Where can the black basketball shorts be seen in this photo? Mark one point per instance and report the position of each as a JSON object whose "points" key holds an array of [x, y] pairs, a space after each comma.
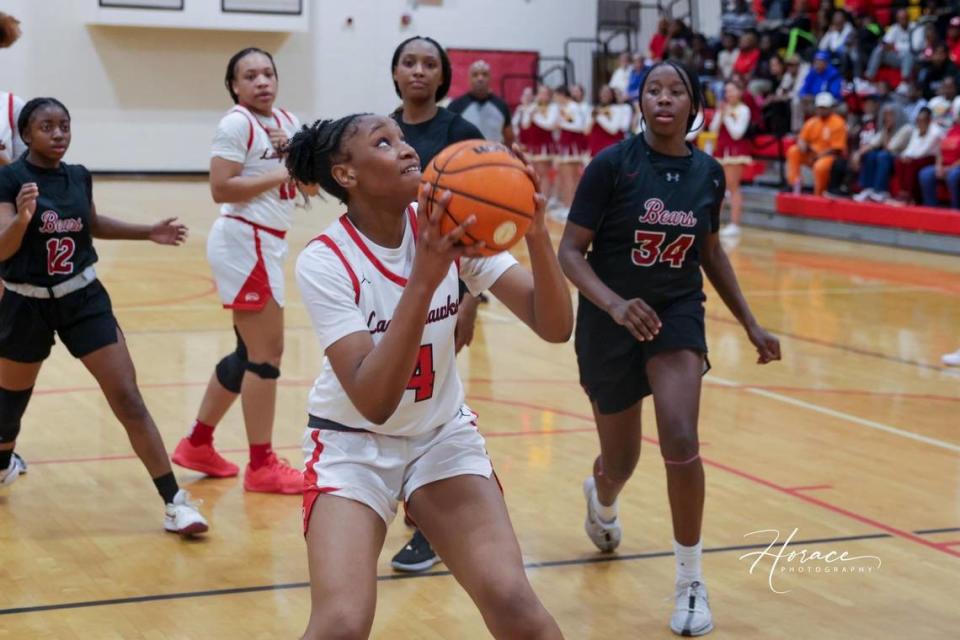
{"points": [[83, 319], [613, 364]]}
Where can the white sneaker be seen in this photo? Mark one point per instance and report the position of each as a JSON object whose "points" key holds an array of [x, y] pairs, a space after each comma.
{"points": [[952, 359], [606, 535], [730, 231], [864, 195], [559, 214], [880, 196], [691, 614], [183, 517], [16, 469]]}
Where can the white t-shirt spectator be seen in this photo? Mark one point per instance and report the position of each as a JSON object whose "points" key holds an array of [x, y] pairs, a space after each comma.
{"points": [[620, 79], [923, 145], [899, 38], [834, 40]]}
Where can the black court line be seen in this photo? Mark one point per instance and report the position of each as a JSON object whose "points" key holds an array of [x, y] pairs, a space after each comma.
{"points": [[435, 574]]}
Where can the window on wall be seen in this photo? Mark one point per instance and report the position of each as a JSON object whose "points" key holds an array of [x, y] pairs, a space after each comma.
{"points": [[169, 5], [280, 7]]}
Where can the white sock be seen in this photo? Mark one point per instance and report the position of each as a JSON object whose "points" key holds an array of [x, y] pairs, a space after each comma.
{"points": [[606, 513], [688, 563]]}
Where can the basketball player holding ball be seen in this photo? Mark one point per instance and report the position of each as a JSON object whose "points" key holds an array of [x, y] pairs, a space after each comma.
{"points": [[381, 288], [246, 249], [422, 75], [643, 224]]}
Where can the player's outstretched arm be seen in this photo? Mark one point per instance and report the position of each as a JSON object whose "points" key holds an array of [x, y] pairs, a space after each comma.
{"points": [[717, 266], [14, 218], [541, 298], [167, 231], [375, 376]]}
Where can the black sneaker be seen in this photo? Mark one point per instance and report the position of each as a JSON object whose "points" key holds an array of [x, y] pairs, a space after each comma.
{"points": [[416, 555]]}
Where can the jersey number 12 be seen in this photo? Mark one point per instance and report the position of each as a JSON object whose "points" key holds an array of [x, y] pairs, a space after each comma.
{"points": [[59, 254]]}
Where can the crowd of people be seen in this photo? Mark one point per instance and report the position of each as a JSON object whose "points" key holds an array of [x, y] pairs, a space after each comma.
{"points": [[871, 108]]}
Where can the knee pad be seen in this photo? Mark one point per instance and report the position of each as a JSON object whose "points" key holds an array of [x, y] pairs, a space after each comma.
{"points": [[263, 370], [230, 372], [13, 404]]}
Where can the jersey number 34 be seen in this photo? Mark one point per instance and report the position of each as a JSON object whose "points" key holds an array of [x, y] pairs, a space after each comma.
{"points": [[648, 249]]}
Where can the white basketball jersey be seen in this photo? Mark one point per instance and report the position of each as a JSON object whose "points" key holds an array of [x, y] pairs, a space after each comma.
{"points": [[11, 146], [242, 137], [349, 284]]}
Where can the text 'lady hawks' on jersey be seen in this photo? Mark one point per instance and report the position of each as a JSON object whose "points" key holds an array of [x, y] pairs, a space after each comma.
{"points": [[444, 311]]}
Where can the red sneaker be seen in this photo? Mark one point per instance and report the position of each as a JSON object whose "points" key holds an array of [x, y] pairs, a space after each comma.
{"points": [[276, 476], [203, 458]]}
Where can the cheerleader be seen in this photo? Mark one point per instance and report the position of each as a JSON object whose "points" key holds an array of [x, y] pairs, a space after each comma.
{"points": [[730, 122], [572, 144], [539, 122], [608, 122]]}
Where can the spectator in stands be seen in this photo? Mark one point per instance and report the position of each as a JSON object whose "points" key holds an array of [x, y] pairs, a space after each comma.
{"points": [[953, 39], [660, 39], [730, 123], [822, 77], [739, 20], [748, 55], [945, 106], [939, 67], [762, 81], [921, 151], [620, 80], [837, 38], [727, 55], [484, 109], [776, 10], [945, 169], [878, 151], [800, 28], [894, 49], [703, 62], [679, 52], [679, 31], [822, 139], [637, 74]]}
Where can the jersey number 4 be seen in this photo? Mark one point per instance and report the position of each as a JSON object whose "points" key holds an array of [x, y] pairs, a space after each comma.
{"points": [[423, 376], [59, 256], [648, 251]]}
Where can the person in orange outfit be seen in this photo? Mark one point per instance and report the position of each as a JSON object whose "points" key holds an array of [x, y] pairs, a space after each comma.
{"points": [[822, 138]]}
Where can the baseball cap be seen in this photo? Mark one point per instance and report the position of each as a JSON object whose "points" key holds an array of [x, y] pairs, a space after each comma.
{"points": [[822, 55], [824, 99]]}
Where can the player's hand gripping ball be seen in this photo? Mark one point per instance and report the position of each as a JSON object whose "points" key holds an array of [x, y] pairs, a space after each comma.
{"points": [[487, 180]]}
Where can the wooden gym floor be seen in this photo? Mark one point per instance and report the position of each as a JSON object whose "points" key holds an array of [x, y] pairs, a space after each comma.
{"points": [[852, 441]]}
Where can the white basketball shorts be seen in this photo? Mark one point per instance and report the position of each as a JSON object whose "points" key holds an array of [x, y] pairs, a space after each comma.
{"points": [[247, 261]]}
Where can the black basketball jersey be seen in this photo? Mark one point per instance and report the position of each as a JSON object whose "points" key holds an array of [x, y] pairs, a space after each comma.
{"points": [[431, 137], [651, 214], [57, 244]]}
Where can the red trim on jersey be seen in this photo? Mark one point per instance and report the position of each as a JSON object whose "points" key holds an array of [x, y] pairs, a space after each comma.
{"points": [[13, 125], [412, 215], [325, 239], [310, 489], [286, 115], [251, 119], [245, 114], [259, 227], [358, 239]]}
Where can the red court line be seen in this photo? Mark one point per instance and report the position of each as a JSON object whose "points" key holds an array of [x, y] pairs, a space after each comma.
{"points": [[906, 535], [812, 487], [211, 288]]}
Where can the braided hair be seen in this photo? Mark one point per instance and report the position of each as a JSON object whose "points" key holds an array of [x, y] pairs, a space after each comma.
{"points": [[311, 153], [446, 69], [26, 114], [693, 90], [232, 68]]}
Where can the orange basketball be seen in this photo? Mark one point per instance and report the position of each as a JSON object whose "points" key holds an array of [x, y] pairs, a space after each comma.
{"points": [[487, 180]]}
